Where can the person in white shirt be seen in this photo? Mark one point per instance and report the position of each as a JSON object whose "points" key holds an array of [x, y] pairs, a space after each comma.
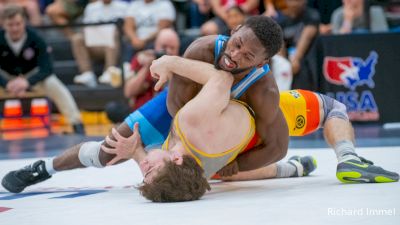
{"points": [[86, 46], [144, 19]]}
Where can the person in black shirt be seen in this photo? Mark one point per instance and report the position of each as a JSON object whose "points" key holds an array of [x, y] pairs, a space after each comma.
{"points": [[25, 64], [300, 26]]}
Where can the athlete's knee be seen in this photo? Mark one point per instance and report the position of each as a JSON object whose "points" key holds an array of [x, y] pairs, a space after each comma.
{"points": [[89, 154], [334, 109]]}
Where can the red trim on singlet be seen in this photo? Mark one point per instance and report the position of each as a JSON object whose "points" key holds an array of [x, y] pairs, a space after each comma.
{"points": [[312, 106], [255, 140]]}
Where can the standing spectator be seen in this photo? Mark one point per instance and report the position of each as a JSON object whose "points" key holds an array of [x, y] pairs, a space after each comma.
{"points": [[139, 88], [99, 11], [25, 64], [300, 26], [144, 19], [63, 12], [351, 17], [217, 25], [30, 6]]}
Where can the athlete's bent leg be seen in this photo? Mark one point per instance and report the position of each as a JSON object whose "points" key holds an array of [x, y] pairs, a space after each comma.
{"points": [[339, 134]]}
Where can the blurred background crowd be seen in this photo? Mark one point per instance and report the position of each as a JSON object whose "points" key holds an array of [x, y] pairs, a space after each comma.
{"points": [[95, 55]]}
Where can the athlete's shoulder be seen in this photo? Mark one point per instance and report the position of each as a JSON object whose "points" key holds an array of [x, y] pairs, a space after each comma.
{"points": [[266, 83], [265, 88], [202, 49]]}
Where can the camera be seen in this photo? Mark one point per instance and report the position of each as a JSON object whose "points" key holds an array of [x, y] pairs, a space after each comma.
{"points": [[158, 54]]}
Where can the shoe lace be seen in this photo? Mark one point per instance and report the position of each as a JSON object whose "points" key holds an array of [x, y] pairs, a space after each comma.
{"points": [[364, 160]]}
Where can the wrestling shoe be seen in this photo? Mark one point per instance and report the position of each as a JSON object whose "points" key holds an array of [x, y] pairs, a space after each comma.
{"points": [[304, 165], [17, 180], [353, 171]]}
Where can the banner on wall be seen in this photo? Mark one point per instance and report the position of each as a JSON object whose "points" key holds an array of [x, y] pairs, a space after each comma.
{"points": [[361, 71], [352, 72]]}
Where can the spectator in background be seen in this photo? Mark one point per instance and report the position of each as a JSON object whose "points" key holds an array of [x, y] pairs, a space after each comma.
{"points": [[139, 88], [235, 16], [25, 64], [63, 12], [199, 12], [273, 6], [31, 8], [325, 9], [300, 26], [351, 17], [99, 11], [144, 19], [218, 24]]}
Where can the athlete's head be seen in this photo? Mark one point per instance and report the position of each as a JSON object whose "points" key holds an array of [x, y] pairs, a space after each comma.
{"points": [[172, 177], [250, 45]]}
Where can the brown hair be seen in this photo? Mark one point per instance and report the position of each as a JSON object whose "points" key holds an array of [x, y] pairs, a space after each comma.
{"points": [[12, 10], [177, 183]]}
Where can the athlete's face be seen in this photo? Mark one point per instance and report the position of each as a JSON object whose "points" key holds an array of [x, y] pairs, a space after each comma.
{"points": [[155, 161], [242, 52]]}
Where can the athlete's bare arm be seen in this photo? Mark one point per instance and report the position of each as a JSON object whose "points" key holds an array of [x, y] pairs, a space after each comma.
{"points": [[181, 90], [263, 98], [214, 96]]}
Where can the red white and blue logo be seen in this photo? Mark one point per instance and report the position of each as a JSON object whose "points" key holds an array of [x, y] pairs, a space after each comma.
{"points": [[350, 71]]}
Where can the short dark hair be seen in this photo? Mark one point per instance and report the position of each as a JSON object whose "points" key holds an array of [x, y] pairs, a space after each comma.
{"points": [[177, 183], [267, 31], [12, 10]]}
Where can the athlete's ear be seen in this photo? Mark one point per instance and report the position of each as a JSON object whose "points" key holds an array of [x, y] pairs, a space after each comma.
{"points": [[176, 158], [265, 61], [236, 29]]}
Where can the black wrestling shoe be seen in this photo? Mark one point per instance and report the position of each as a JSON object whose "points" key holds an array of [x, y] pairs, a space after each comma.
{"points": [[17, 180]]}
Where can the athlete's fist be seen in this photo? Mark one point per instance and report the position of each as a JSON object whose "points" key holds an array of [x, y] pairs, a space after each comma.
{"points": [[159, 69], [229, 170]]}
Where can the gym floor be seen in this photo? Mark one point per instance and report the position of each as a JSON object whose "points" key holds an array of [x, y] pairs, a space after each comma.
{"points": [[108, 196]]}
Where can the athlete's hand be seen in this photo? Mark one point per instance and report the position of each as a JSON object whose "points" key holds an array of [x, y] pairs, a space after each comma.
{"points": [[159, 70], [229, 170], [122, 148]]}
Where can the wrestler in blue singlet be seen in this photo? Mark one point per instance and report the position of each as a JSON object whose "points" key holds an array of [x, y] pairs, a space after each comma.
{"points": [[153, 117]]}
